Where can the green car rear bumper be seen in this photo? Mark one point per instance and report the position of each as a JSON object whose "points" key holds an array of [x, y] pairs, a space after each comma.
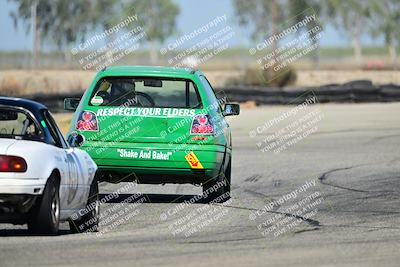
{"points": [[157, 162]]}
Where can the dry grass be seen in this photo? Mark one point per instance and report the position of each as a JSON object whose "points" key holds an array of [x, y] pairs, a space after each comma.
{"points": [[10, 86], [321, 77], [21, 82], [63, 121], [24, 82]]}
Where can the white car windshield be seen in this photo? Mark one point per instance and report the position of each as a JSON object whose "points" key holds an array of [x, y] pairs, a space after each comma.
{"points": [[14, 123]]}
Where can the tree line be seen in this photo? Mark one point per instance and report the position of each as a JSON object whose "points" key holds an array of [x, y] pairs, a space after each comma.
{"points": [[352, 18], [64, 23]]}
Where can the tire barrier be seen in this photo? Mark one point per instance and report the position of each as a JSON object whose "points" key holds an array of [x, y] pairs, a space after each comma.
{"points": [[55, 102], [360, 91]]}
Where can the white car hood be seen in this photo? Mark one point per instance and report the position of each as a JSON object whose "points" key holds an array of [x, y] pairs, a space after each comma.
{"points": [[5, 144]]}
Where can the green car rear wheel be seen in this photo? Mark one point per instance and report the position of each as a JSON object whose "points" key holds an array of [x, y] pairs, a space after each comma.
{"points": [[218, 190]]}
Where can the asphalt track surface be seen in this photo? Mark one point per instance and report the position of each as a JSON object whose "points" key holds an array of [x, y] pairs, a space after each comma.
{"points": [[349, 217]]}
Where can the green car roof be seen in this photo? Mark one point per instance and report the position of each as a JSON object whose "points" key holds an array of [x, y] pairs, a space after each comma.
{"points": [[148, 71]]}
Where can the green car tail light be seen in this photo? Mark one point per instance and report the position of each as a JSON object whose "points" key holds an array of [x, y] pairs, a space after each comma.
{"points": [[87, 121], [202, 125]]}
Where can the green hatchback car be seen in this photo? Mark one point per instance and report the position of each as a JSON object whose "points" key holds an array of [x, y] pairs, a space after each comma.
{"points": [[155, 125]]}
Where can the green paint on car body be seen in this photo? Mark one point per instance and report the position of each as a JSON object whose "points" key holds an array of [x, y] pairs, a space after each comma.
{"points": [[153, 122]]}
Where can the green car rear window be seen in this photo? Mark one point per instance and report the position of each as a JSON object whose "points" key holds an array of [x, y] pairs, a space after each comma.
{"points": [[145, 92]]}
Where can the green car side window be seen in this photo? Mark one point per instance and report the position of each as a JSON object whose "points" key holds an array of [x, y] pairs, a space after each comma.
{"points": [[211, 94]]}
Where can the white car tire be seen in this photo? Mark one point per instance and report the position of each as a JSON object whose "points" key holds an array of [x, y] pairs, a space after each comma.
{"points": [[44, 218]]}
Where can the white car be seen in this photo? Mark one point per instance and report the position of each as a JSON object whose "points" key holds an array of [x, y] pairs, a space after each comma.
{"points": [[43, 180]]}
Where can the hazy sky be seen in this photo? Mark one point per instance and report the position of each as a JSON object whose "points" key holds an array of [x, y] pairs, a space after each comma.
{"points": [[194, 14]]}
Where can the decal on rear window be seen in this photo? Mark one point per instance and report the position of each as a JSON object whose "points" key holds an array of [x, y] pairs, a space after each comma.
{"points": [[149, 112], [97, 101]]}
